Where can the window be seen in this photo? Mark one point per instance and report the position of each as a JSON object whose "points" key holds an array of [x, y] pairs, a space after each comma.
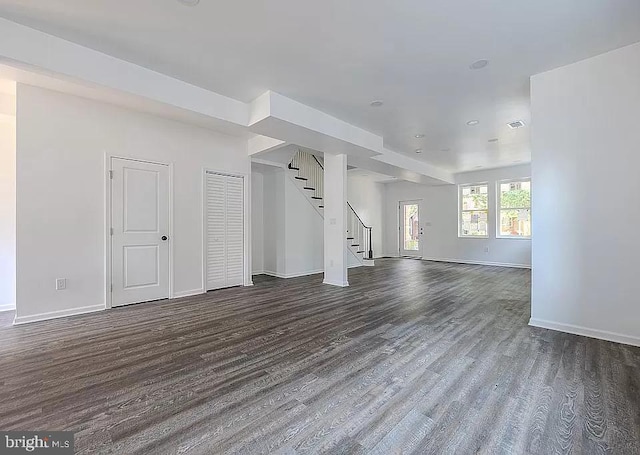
{"points": [[514, 209], [474, 210]]}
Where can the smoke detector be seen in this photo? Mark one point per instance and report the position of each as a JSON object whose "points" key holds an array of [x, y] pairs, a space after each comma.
{"points": [[479, 64], [516, 124]]}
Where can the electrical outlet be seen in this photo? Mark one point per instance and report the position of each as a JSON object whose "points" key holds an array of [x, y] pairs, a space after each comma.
{"points": [[486, 249], [61, 284]]}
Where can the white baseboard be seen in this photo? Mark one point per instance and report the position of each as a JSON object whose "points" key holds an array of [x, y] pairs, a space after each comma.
{"points": [[8, 307], [342, 284], [296, 275], [57, 314], [291, 275], [585, 331], [178, 295], [494, 264]]}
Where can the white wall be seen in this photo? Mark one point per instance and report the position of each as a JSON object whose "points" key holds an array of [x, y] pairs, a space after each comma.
{"points": [[585, 200], [61, 145], [293, 237], [439, 218], [257, 223], [7, 207], [304, 234], [274, 224], [367, 198]]}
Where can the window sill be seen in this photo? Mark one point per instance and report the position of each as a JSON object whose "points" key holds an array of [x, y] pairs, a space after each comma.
{"points": [[473, 236], [512, 237]]}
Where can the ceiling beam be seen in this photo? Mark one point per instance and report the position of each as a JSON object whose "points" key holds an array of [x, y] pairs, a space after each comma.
{"points": [[276, 119]]}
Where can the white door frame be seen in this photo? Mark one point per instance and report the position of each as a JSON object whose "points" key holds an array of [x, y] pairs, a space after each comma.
{"points": [[107, 217], [246, 257], [401, 249]]}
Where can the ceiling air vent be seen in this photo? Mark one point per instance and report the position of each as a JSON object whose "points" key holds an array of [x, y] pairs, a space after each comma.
{"points": [[516, 124]]}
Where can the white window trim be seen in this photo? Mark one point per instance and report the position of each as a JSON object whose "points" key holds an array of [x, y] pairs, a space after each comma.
{"points": [[460, 211], [499, 209]]}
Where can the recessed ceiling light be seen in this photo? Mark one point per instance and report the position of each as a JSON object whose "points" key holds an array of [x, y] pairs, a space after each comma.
{"points": [[419, 136], [418, 150], [495, 139], [516, 124], [479, 64], [376, 103], [473, 122], [189, 2]]}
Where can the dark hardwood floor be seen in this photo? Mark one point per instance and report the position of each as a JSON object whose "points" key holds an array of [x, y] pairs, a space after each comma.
{"points": [[414, 357]]}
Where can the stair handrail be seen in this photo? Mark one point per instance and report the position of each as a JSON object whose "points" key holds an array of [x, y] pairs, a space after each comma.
{"points": [[317, 161], [367, 237], [356, 214], [296, 163]]}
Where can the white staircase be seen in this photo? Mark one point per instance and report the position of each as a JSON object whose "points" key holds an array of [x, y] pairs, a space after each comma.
{"points": [[307, 172]]}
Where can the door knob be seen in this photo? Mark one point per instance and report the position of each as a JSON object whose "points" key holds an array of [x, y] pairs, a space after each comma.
{"points": [[165, 238]]}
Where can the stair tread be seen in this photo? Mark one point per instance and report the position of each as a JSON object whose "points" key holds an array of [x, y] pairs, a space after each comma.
{"points": [[350, 238], [301, 178], [316, 197], [357, 244], [362, 251], [321, 206], [309, 188], [294, 168]]}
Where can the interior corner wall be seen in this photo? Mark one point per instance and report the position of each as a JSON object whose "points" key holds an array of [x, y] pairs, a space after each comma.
{"points": [[304, 233], [439, 218], [7, 213], [257, 223], [62, 144], [367, 199], [293, 230], [585, 197], [274, 223]]}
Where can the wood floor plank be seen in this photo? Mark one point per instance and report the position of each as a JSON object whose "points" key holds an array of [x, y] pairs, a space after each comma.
{"points": [[413, 357]]}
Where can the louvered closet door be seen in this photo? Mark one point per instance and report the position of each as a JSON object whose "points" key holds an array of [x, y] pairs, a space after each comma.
{"points": [[235, 231], [224, 231], [216, 228]]}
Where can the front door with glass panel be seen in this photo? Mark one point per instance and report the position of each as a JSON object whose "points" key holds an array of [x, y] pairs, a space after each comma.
{"points": [[410, 231]]}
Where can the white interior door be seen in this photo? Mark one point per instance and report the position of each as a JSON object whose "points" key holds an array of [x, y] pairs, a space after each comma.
{"points": [[224, 231], [410, 229], [140, 231]]}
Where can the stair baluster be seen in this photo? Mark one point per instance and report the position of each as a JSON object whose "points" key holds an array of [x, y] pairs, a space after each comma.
{"points": [[310, 170]]}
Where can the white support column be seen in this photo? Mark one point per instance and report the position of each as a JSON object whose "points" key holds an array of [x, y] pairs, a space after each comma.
{"points": [[335, 220]]}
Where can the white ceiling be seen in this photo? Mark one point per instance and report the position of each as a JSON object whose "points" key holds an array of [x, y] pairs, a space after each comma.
{"points": [[338, 56]]}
